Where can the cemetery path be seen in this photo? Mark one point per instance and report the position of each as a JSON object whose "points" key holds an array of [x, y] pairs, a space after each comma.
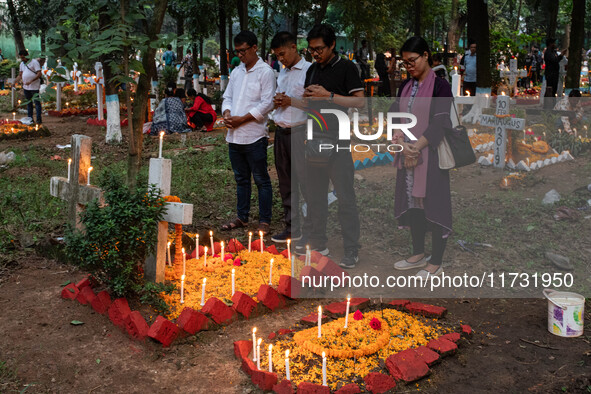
{"points": [[51, 355]]}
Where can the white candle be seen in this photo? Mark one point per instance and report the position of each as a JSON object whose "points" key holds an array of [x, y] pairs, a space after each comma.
{"points": [[203, 292], [182, 289], [270, 356], [205, 256], [160, 148], [184, 262], [259, 353], [223, 251], [254, 341], [505, 182], [249, 240], [319, 321], [324, 369], [289, 249], [233, 278], [69, 164], [211, 241], [197, 246], [271, 272], [308, 255], [88, 176], [14, 115], [347, 312], [292, 267], [261, 238], [168, 250], [287, 364]]}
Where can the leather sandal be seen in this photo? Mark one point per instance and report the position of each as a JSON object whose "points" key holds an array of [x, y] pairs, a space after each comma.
{"points": [[233, 225]]}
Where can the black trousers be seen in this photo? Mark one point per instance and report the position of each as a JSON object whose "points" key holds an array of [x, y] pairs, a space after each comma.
{"points": [[201, 118], [291, 172], [384, 88], [552, 81], [418, 230], [340, 171]]}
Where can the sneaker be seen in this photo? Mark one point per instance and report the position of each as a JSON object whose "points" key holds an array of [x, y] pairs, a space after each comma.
{"points": [[406, 265], [350, 259], [322, 250], [301, 243], [284, 236]]}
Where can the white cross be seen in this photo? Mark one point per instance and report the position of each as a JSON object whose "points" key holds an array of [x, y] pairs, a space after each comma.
{"points": [[99, 82], [178, 213], [75, 74], [75, 190], [512, 74], [501, 125]]}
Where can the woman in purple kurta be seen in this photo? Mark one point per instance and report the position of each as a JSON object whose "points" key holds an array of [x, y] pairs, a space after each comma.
{"points": [[422, 199]]}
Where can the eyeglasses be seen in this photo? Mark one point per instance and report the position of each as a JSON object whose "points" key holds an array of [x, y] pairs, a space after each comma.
{"points": [[410, 62], [242, 52], [318, 50]]}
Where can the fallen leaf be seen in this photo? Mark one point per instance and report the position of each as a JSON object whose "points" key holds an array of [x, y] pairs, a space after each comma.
{"points": [[66, 283], [98, 360], [76, 322]]}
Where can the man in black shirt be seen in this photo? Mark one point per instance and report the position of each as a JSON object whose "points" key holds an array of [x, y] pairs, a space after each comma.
{"points": [[552, 60], [337, 82]]}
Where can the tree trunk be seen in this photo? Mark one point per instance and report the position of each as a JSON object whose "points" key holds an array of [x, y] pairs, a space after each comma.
{"points": [[230, 36], [126, 71], [16, 29], [195, 61], [321, 13], [518, 15], [577, 35], [264, 30], [201, 51], [418, 5], [42, 40], [242, 6], [180, 30], [550, 10], [222, 31], [453, 34], [294, 22], [140, 103]]}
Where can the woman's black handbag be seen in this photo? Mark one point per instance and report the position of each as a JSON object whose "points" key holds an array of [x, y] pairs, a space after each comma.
{"points": [[455, 150]]}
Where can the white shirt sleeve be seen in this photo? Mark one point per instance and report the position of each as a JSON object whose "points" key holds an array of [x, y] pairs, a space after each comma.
{"points": [[267, 94], [228, 96]]}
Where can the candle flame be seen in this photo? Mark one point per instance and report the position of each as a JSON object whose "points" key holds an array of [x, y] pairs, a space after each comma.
{"points": [[90, 169], [161, 134], [307, 247], [183, 249], [204, 280], [348, 297], [182, 277], [69, 161], [233, 271], [205, 248], [259, 341], [502, 93], [319, 309], [254, 330], [169, 244], [261, 234], [270, 348], [250, 233], [323, 355], [467, 92], [210, 233]]}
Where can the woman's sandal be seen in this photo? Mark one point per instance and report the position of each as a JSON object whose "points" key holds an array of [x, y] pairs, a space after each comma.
{"points": [[264, 227], [234, 224]]}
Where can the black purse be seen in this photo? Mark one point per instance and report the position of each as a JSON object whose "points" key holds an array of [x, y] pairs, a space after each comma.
{"points": [[459, 143]]}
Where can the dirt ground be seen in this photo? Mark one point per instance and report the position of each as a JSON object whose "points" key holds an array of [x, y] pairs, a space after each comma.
{"points": [[51, 355]]}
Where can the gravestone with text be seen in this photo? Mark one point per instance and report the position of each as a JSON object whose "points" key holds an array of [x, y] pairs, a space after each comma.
{"points": [[501, 121]]}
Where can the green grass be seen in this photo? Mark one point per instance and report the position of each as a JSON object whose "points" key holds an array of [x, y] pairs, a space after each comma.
{"points": [[9, 382]]}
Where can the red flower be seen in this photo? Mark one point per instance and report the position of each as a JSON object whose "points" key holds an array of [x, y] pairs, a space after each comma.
{"points": [[529, 132], [358, 315], [237, 262], [375, 323]]}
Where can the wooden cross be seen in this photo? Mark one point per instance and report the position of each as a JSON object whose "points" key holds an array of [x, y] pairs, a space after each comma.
{"points": [[76, 190], [512, 74], [178, 213], [501, 124]]}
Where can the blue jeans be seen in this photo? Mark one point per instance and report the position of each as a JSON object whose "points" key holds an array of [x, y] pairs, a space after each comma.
{"points": [[28, 96], [246, 160]]}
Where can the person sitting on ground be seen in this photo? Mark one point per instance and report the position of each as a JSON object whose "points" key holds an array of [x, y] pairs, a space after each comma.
{"points": [[201, 115], [170, 116]]}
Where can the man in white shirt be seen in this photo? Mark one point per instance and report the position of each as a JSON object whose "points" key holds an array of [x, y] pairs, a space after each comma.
{"points": [[247, 101], [30, 75], [290, 133]]}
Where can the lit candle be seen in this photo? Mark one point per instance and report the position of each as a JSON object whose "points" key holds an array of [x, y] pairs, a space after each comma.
{"points": [[160, 148], [505, 182], [292, 266], [36, 127], [259, 352], [19, 103], [347, 311], [196, 246], [270, 357], [502, 93], [254, 341], [168, 250], [467, 92], [271, 272], [289, 249], [319, 321], [211, 241], [184, 262], [205, 256], [249, 240], [287, 364], [233, 279], [88, 176], [14, 116], [183, 289], [261, 238], [203, 292], [223, 251], [69, 164], [324, 369]]}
